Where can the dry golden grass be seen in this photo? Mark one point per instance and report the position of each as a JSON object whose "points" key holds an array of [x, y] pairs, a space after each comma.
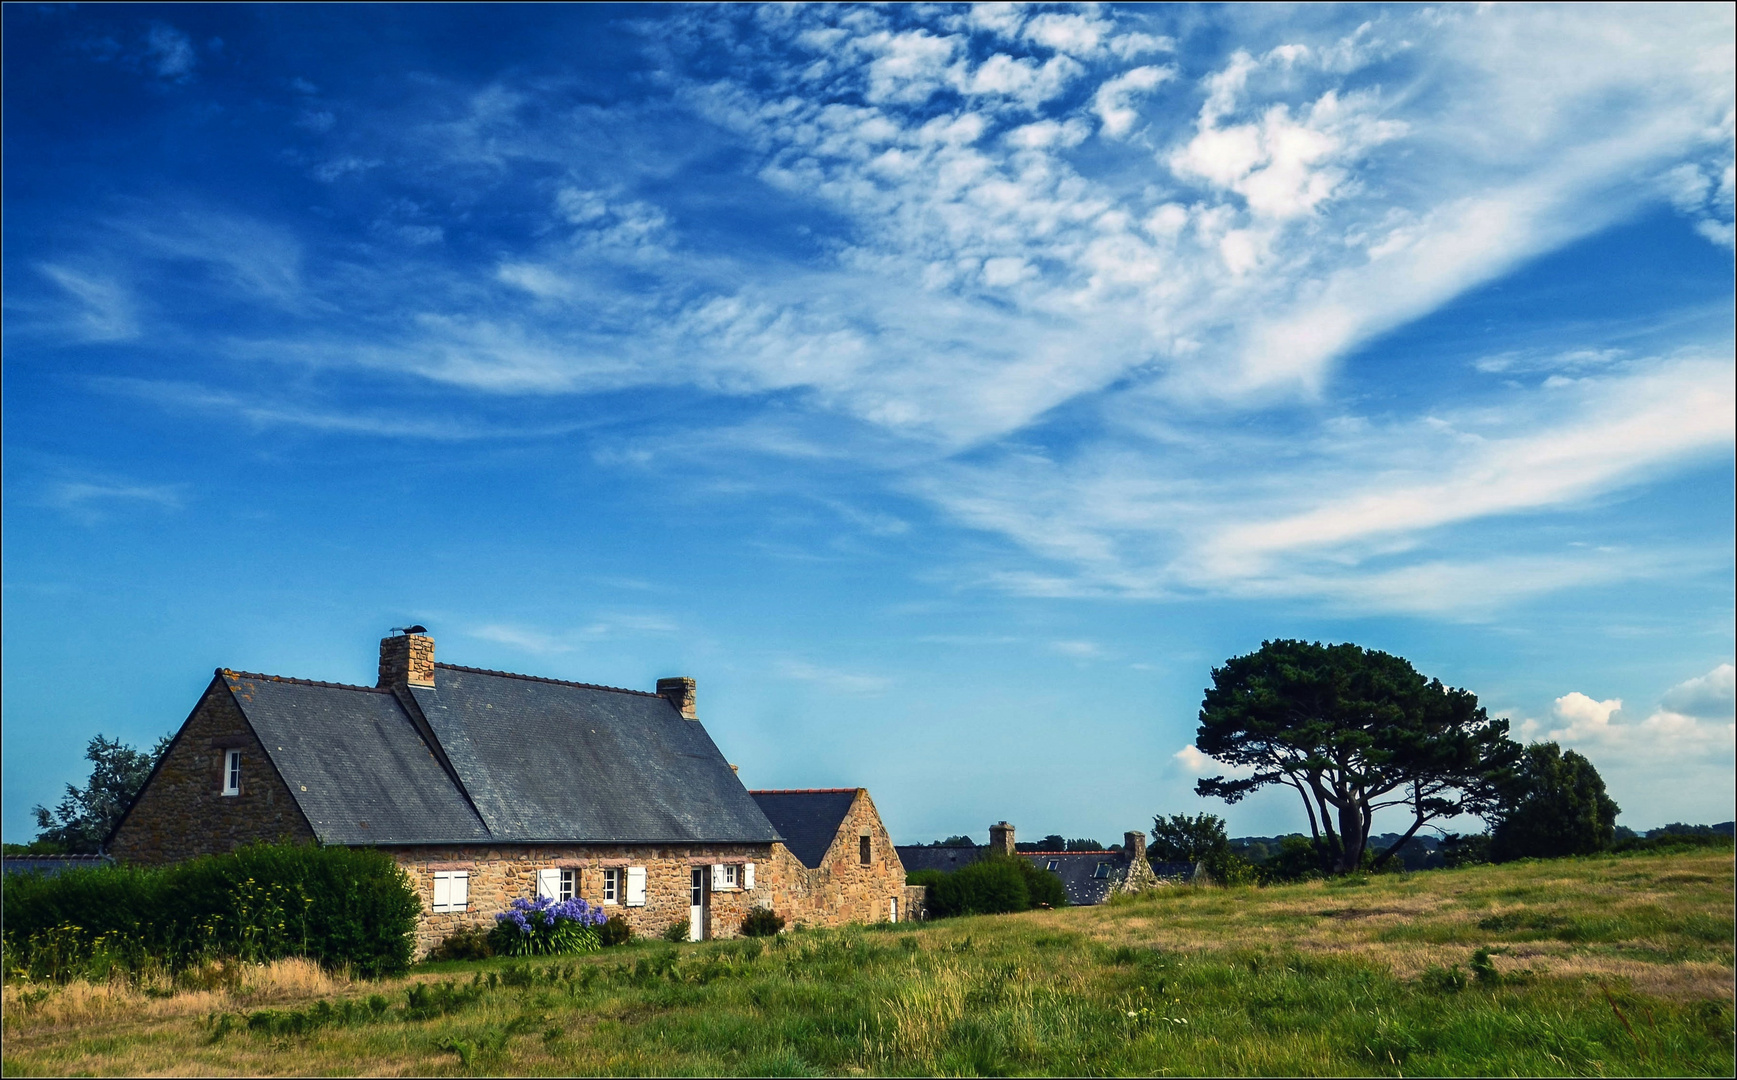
{"points": [[1318, 978]]}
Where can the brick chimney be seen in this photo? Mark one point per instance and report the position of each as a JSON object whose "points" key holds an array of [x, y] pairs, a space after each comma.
{"points": [[1134, 845], [680, 693], [1001, 839], [407, 658]]}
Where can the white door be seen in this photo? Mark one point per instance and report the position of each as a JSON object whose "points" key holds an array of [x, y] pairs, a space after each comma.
{"points": [[697, 905]]}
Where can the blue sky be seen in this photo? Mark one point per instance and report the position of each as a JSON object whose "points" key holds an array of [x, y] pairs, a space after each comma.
{"points": [[946, 389]]}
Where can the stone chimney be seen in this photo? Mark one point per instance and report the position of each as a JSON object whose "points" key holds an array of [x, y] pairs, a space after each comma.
{"points": [[407, 658], [680, 693], [1001, 839], [1134, 846]]}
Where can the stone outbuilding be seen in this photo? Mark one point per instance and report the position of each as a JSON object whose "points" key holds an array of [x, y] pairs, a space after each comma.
{"points": [[836, 859], [487, 786]]}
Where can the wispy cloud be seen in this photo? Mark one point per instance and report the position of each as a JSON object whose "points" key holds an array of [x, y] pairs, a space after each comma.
{"points": [[843, 681]]}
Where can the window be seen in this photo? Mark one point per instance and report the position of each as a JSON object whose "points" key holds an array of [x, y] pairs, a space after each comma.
{"points": [[1053, 864], [569, 884], [636, 886], [451, 890], [865, 851], [726, 876], [612, 885], [1103, 870], [232, 772]]}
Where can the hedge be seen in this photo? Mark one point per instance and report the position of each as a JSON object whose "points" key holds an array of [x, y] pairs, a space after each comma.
{"points": [[990, 886], [343, 907]]}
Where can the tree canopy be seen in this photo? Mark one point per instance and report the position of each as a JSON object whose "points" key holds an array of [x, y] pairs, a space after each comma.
{"points": [[1352, 731], [84, 819], [1555, 805]]}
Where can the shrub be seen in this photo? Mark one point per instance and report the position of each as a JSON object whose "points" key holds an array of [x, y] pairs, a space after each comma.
{"points": [[545, 927], [614, 932], [762, 922], [342, 907], [988, 887], [465, 943], [677, 931]]}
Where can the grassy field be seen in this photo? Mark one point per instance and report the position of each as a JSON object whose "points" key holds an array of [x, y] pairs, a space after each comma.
{"points": [[1613, 965]]}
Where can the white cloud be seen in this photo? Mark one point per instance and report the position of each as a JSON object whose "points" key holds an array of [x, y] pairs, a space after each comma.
{"points": [[170, 52], [1114, 100], [106, 309], [1694, 722], [832, 678], [1712, 696], [1195, 762]]}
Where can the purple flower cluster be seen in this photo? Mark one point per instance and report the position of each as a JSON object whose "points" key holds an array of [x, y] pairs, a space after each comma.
{"points": [[529, 915]]}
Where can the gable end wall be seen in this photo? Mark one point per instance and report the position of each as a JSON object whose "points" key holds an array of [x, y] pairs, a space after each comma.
{"points": [[842, 890], [183, 813]]}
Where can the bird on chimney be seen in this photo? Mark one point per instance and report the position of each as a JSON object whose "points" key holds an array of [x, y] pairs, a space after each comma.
{"points": [[417, 629]]}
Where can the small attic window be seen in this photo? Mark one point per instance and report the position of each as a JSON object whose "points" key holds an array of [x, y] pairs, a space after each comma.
{"points": [[865, 851], [1103, 870], [1053, 864], [232, 772]]}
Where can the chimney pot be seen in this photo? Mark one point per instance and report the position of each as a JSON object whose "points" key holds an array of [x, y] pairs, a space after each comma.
{"points": [[1001, 838], [406, 659], [680, 693]]}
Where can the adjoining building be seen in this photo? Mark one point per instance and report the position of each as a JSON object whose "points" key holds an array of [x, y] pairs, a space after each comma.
{"points": [[487, 786], [1090, 877]]}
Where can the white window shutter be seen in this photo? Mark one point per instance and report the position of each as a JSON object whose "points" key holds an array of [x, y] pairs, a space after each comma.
{"points": [[748, 875], [549, 884], [442, 892], [461, 890], [717, 876], [636, 886]]}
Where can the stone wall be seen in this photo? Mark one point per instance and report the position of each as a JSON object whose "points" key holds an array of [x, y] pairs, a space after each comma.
{"points": [[183, 813], [842, 889], [500, 874]]}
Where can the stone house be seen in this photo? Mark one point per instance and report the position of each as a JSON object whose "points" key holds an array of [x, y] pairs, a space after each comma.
{"points": [[1090, 877], [486, 786], [836, 856]]}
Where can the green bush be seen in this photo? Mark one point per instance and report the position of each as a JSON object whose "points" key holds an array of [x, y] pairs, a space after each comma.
{"points": [[677, 931], [614, 932], [989, 887], [762, 922], [465, 943], [342, 907]]}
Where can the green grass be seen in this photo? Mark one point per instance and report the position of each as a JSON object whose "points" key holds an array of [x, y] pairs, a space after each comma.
{"points": [[1592, 966]]}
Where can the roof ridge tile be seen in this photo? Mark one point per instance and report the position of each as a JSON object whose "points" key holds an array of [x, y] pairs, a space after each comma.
{"points": [[546, 679], [805, 791], [232, 673]]}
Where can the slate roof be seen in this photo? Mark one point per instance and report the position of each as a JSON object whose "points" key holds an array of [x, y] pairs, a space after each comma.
{"points": [[354, 762], [487, 756], [807, 819], [1077, 869], [920, 857], [1079, 872]]}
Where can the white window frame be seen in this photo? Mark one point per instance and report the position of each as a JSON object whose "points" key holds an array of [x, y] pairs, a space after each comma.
{"points": [[612, 876], [892, 909], [636, 886], [232, 772], [455, 884], [569, 886], [726, 876]]}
